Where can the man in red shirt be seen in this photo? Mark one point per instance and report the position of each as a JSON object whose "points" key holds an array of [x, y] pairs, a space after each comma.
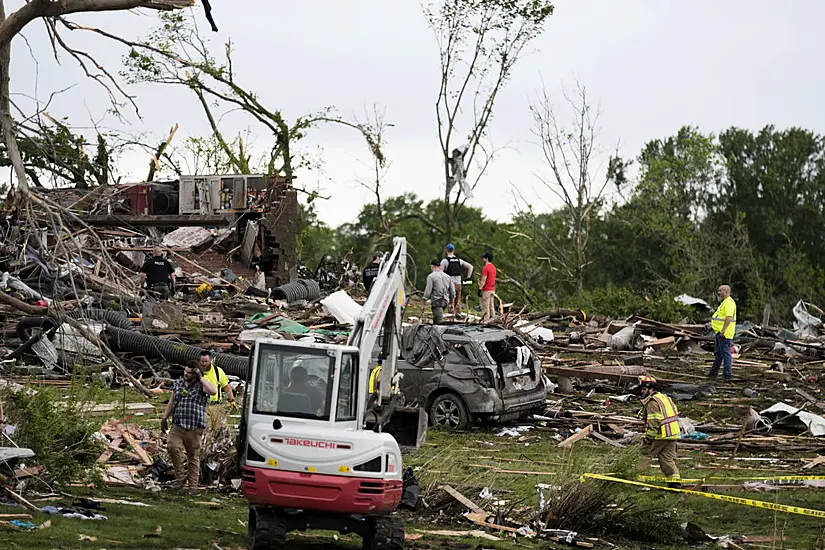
{"points": [[487, 288]]}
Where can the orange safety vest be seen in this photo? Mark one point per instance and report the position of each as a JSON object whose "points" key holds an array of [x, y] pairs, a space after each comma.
{"points": [[661, 408]]}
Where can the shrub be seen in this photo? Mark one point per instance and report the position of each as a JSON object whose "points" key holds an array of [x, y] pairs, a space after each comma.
{"points": [[56, 430]]}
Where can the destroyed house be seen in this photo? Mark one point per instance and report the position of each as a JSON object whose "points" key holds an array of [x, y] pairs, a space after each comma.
{"points": [[217, 221]]}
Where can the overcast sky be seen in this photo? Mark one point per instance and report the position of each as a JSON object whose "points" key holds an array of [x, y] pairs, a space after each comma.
{"points": [[650, 66]]}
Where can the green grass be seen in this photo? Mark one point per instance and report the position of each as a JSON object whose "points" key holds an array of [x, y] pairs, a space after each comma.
{"points": [[461, 460]]}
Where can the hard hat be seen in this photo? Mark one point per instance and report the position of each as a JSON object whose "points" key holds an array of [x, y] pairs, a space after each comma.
{"points": [[648, 381]]}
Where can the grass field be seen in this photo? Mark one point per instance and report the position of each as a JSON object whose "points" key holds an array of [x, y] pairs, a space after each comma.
{"points": [[469, 462]]}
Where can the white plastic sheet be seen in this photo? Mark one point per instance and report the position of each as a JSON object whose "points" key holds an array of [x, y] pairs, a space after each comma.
{"points": [[691, 301], [814, 422], [803, 318], [341, 306], [539, 334]]}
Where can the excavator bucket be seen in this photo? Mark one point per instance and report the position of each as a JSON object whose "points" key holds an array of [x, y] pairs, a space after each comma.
{"points": [[408, 425]]}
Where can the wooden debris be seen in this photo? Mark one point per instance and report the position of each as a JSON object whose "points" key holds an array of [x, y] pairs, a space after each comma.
{"points": [[480, 518], [22, 501], [462, 499], [145, 459], [583, 433], [606, 439]]}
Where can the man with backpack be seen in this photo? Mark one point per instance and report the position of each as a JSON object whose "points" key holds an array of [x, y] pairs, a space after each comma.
{"points": [[452, 265]]}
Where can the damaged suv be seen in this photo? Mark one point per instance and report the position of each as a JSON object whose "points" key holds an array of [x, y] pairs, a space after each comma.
{"points": [[460, 373]]}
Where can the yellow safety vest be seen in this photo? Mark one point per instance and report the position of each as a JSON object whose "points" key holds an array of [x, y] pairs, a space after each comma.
{"points": [[375, 379], [661, 408], [726, 309]]}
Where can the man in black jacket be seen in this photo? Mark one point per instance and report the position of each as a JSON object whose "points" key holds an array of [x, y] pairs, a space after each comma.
{"points": [[158, 274], [371, 271]]}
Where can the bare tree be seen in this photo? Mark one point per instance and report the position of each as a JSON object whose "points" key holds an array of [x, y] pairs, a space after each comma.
{"points": [[48, 214], [576, 179], [176, 54], [479, 43], [49, 11]]}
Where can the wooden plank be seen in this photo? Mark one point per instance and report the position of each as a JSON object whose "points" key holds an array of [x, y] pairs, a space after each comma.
{"points": [[130, 408], [145, 459], [480, 518], [570, 441], [810, 398], [22, 501], [607, 440], [23, 473], [463, 500], [661, 343], [616, 428], [814, 463], [107, 454], [16, 516]]}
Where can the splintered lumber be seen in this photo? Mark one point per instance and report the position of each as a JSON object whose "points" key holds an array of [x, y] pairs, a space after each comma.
{"points": [[814, 463], [480, 518], [15, 516], [661, 343], [22, 501], [616, 428], [811, 399], [463, 500], [607, 440], [111, 448], [570, 441], [145, 459], [23, 473], [603, 373]]}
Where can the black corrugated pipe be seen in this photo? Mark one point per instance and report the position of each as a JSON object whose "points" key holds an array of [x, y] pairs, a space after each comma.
{"points": [[108, 316], [304, 289], [112, 317], [134, 342], [313, 289]]}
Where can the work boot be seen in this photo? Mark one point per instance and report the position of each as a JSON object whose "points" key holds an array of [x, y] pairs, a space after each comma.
{"points": [[674, 485]]}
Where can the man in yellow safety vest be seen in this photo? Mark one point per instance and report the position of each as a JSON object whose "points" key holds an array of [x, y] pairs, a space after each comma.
{"points": [[661, 428], [723, 324]]}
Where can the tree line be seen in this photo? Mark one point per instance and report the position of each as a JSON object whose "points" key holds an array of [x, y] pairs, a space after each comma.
{"points": [[742, 207]]}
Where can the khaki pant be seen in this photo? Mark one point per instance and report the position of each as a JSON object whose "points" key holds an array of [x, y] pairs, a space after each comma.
{"points": [[185, 444], [488, 308], [665, 451], [455, 305]]}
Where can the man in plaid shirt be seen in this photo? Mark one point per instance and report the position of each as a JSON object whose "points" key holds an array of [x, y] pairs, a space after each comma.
{"points": [[187, 407]]}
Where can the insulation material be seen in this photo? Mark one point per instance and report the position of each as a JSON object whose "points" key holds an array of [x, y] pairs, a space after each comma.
{"points": [[341, 306], [187, 237]]}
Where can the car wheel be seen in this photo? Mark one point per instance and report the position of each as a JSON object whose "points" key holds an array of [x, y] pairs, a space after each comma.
{"points": [[448, 411]]}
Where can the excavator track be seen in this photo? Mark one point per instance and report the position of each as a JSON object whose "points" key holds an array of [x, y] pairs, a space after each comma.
{"points": [[386, 533], [267, 529]]}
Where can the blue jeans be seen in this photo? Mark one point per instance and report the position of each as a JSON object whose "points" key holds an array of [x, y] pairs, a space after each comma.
{"points": [[721, 355]]}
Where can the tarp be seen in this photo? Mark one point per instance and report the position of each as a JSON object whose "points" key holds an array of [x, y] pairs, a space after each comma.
{"points": [[814, 422]]}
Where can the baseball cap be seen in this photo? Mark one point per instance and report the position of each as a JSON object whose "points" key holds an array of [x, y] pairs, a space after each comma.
{"points": [[450, 247], [435, 263]]}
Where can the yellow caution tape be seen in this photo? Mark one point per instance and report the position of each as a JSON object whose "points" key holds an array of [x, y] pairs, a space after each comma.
{"points": [[754, 478], [726, 498]]}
